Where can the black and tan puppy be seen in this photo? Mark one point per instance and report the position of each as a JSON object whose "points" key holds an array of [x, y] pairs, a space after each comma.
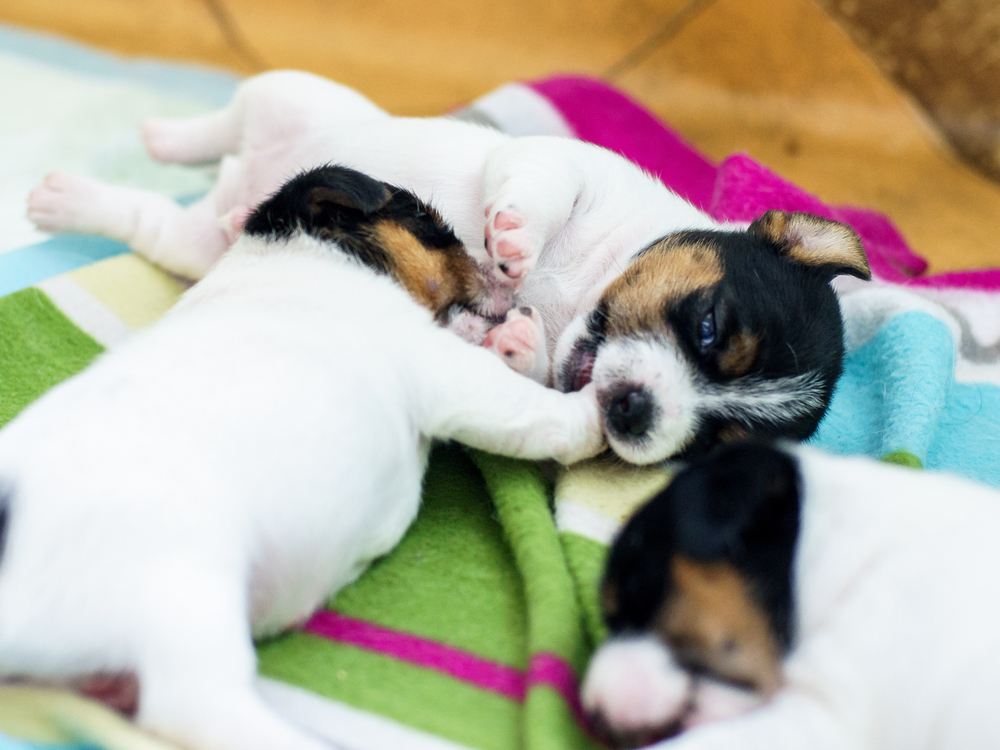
{"points": [[784, 598]]}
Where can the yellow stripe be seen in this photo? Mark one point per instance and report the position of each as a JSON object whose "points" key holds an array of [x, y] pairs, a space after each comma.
{"points": [[58, 717], [130, 287]]}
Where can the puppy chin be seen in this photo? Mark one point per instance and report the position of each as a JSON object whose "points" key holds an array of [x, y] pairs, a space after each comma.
{"points": [[658, 369], [633, 688]]}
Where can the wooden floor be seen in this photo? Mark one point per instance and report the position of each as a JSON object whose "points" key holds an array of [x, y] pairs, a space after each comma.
{"points": [[775, 78]]}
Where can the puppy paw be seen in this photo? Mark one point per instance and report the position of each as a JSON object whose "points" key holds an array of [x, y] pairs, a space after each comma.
{"points": [[520, 342], [159, 134], [512, 244], [468, 326], [232, 223], [65, 203], [587, 439]]}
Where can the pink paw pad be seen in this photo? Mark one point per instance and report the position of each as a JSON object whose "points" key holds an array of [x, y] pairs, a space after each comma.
{"points": [[511, 245], [519, 341]]}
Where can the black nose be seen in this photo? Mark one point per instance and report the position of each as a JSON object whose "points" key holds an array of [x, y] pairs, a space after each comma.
{"points": [[630, 412]]}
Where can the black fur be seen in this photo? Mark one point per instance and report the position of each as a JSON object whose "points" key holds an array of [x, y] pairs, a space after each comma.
{"points": [[792, 309], [740, 505], [343, 205], [787, 306]]}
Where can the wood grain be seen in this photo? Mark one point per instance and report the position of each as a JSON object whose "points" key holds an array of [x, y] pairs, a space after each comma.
{"points": [[776, 78]]}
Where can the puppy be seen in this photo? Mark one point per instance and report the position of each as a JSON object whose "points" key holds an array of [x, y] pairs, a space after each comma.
{"points": [[858, 597], [693, 332], [221, 475]]}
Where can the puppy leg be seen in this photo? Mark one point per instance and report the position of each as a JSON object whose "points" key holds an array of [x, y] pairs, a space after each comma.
{"points": [[529, 192], [520, 342], [576, 201], [471, 396], [183, 240], [197, 666], [196, 140], [789, 722]]}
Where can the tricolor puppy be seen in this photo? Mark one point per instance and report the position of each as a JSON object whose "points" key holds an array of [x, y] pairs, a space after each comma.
{"points": [[222, 474], [792, 599], [693, 332]]}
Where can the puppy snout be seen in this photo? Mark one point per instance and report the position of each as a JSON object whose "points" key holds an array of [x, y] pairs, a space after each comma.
{"points": [[629, 411], [633, 692]]}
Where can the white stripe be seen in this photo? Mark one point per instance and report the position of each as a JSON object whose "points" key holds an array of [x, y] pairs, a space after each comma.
{"points": [[768, 400], [519, 110], [82, 308], [579, 519], [347, 727]]}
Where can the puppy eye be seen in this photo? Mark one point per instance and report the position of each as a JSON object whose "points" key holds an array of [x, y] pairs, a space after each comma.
{"points": [[706, 330]]}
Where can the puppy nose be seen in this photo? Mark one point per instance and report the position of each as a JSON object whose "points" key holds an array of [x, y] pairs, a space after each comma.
{"points": [[630, 412]]}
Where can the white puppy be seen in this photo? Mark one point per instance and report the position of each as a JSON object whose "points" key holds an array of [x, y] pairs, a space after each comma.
{"points": [[221, 475], [691, 330], [856, 600]]}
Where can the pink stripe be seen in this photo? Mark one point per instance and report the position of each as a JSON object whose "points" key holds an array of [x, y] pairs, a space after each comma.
{"points": [[601, 114], [549, 669], [545, 668], [980, 279], [462, 665]]}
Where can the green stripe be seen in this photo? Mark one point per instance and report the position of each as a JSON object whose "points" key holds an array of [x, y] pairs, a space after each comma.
{"points": [[555, 619], [452, 579], [39, 348], [585, 559], [550, 725], [522, 500], [903, 457], [409, 694]]}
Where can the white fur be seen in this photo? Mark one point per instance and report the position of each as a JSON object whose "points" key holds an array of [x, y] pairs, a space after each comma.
{"points": [[589, 209], [635, 684], [898, 616], [659, 368], [227, 471], [634, 680]]}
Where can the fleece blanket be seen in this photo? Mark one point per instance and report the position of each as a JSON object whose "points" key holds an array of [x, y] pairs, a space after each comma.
{"points": [[475, 630]]}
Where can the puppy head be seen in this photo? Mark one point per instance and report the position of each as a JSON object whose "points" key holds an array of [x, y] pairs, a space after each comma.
{"points": [[710, 336], [383, 227], [704, 573]]}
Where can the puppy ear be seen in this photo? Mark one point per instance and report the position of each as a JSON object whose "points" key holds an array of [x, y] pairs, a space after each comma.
{"points": [[815, 241], [341, 189]]}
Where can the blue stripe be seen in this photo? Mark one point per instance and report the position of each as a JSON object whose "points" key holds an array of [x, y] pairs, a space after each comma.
{"points": [[29, 265], [64, 252], [9, 743], [211, 86]]}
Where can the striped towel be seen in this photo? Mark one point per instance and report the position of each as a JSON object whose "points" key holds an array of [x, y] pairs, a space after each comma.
{"points": [[474, 631]]}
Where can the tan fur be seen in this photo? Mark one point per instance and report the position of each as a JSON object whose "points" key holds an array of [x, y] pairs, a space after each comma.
{"points": [[814, 241], [712, 620], [739, 354], [609, 599], [436, 279], [732, 433], [665, 273]]}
